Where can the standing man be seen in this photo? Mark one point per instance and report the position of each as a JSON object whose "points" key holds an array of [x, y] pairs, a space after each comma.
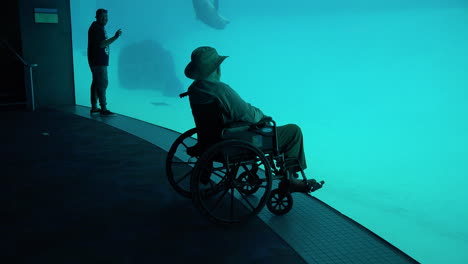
{"points": [[98, 59]]}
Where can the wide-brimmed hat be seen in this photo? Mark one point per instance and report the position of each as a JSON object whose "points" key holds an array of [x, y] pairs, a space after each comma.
{"points": [[204, 61]]}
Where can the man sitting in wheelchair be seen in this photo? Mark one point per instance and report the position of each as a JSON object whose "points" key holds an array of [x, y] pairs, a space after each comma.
{"points": [[204, 68]]}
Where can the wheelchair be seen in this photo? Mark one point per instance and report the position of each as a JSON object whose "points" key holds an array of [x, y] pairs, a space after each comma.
{"points": [[229, 170]]}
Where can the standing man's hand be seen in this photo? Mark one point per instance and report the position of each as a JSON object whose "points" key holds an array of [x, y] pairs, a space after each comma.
{"points": [[107, 42], [118, 33]]}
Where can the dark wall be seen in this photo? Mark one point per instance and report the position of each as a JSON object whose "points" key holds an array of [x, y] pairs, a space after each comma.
{"points": [[49, 46], [12, 81]]}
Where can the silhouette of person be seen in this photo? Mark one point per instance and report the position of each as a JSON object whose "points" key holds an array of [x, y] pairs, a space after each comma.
{"points": [[98, 60], [205, 69]]}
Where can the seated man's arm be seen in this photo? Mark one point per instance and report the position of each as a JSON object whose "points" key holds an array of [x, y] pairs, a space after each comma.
{"points": [[239, 109]]}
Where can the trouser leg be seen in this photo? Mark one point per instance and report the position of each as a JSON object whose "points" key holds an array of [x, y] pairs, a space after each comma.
{"points": [[291, 143], [100, 83], [93, 92]]}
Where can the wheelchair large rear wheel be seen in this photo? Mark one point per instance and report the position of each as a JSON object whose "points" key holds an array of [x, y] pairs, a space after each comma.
{"points": [[223, 167], [179, 163]]}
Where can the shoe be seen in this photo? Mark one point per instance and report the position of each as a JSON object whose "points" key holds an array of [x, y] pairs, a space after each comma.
{"points": [[304, 187], [106, 113], [94, 111], [316, 186]]}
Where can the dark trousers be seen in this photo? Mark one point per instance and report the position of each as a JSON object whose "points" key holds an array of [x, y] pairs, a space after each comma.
{"points": [[99, 86], [291, 144]]}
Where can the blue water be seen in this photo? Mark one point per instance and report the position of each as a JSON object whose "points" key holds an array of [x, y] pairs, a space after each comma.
{"points": [[379, 90]]}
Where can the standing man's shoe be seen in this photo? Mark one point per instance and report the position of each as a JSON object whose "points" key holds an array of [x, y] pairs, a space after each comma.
{"points": [[106, 113], [95, 111]]}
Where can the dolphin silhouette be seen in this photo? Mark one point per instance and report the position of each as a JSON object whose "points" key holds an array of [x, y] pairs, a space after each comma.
{"points": [[207, 12]]}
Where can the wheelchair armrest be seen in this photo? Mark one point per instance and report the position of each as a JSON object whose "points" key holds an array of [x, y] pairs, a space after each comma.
{"points": [[235, 129], [263, 127], [238, 124]]}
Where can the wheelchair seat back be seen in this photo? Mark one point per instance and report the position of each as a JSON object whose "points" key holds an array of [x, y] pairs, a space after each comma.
{"points": [[209, 122]]}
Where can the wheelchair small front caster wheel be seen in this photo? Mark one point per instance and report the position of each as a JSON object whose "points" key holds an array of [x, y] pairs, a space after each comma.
{"points": [[280, 203]]}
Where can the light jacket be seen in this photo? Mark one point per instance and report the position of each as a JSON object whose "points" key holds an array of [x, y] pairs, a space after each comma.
{"points": [[233, 106]]}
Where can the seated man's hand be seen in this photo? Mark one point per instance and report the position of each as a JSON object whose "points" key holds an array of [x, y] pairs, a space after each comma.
{"points": [[264, 121], [266, 118]]}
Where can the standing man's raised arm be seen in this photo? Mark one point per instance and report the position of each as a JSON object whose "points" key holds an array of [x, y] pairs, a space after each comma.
{"points": [[109, 41]]}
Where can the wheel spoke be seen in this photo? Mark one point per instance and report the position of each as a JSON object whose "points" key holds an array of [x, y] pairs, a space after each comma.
{"points": [[234, 167], [220, 176], [243, 196], [184, 145], [232, 202], [245, 168], [185, 176], [219, 200], [226, 158]]}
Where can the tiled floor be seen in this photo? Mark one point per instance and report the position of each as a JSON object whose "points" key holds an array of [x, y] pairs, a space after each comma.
{"points": [[316, 231], [79, 191]]}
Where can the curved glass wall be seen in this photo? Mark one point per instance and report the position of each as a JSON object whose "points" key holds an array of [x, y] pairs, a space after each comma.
{"points": [[379, 90]]}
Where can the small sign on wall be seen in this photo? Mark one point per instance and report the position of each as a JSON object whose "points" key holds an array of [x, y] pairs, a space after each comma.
{"points": [[45, 15]]}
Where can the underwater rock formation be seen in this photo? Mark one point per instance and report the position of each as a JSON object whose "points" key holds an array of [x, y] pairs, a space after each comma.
{"points": [[147, 65]]}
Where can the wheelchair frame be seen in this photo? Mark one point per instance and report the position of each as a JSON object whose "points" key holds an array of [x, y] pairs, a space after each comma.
{"points": [[251, 185]]}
